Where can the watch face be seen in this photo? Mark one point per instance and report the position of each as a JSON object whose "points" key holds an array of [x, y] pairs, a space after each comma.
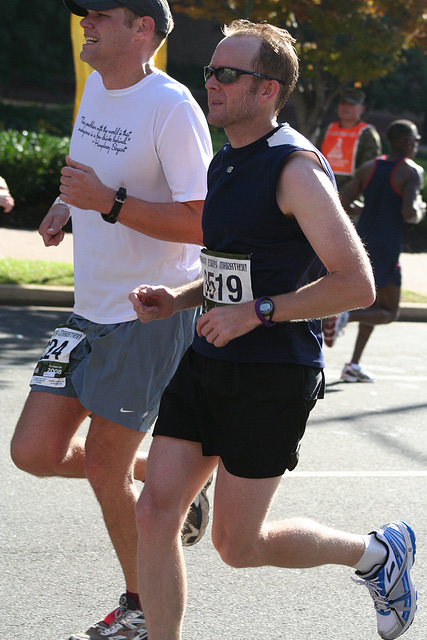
{"points": [[266, 307], [121, 195]]}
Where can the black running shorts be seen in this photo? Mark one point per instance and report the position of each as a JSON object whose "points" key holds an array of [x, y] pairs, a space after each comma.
{"points": [[251, 415]]}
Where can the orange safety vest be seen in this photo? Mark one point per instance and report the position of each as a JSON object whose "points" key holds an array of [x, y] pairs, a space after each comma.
{"points": [[340, 147]]}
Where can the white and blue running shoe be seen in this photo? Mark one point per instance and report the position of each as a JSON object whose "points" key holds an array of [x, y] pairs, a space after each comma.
{"points": [[390, 585]]}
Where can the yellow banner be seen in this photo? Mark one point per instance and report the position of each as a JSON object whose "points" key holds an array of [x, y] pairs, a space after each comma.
{"points": [[82, 69]]}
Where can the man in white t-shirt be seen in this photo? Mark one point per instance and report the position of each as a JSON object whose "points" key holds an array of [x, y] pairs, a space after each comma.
{"points": [[134, 184]]}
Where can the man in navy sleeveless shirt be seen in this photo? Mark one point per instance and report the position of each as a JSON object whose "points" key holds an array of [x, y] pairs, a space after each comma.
{"points": [[391, 187], [280, 253]]}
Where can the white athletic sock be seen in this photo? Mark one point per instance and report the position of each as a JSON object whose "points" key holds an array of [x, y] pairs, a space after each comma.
{"points": [[375, 554]]}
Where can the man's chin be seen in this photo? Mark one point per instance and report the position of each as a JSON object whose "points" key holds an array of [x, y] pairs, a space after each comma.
{"points": [[215, 119], [85, 54]]}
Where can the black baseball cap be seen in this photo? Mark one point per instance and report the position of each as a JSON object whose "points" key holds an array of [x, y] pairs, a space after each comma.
{"points": [[352, 95], [157, 9]]}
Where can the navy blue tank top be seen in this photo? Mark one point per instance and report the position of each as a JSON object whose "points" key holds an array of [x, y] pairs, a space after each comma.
{"points": [[241, 216], [381, 223]]}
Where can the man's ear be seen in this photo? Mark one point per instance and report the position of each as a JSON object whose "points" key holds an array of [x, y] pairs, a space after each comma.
{"points": [[269, 91], [144, 26]]}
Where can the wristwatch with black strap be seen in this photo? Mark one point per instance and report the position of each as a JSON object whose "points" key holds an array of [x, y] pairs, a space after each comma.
{"points": [[264, 309], [120, 198]]}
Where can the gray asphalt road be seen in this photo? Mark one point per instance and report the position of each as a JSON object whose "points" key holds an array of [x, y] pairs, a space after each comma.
{"points": [[363, 463]]}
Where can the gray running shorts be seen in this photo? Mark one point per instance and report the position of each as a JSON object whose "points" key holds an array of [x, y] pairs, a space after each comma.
{"points": [[119, 371]]}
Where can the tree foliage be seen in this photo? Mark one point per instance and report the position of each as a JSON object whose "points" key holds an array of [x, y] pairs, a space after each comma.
{"points": [[405, 87], [339, 43]]}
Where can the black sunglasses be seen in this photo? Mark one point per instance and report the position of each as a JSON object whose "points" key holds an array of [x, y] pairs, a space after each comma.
{"points": [[227, 75]]}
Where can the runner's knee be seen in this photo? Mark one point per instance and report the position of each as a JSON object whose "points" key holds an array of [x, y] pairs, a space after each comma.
{"points": [[232, 549], [34, 460], [234, 554], [157, 517], [388, 315], [394, 315]]}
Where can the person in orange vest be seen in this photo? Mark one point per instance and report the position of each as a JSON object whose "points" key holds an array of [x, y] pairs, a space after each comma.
{"points": [[349, 142]]}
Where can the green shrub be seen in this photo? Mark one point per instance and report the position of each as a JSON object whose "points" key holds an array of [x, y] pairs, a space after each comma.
{"points": [[31, 165]]}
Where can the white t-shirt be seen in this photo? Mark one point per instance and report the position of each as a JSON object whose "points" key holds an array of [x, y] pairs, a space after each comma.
{"points": [[151, 138]]}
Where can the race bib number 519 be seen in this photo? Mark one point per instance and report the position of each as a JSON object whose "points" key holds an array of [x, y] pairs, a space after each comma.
{"points": [[226, 278]]}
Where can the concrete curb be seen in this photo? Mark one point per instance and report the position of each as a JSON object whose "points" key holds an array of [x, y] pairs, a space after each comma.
{"points": [[32, 295], [40, 296]]}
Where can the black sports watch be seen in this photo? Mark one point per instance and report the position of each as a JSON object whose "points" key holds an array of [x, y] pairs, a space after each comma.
{"points": [[264, 309], [120, 198]]}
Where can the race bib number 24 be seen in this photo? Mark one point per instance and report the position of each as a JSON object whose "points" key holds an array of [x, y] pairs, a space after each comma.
{"points": [[53, 365]]}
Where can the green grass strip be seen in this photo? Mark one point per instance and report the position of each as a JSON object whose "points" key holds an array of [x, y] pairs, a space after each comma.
{"points": [[38, 272]]}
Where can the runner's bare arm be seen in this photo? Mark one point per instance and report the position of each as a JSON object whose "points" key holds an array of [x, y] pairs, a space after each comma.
{"points": [[306, 193], [158, 302], [413, 207], [171, 221]]}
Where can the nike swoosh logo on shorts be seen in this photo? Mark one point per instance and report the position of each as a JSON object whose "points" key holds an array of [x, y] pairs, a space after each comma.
{"points": [[126, 411]]}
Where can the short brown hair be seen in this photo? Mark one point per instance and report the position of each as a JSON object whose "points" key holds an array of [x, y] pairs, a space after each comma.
{"points": [[159, 36], [277, 57]]}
